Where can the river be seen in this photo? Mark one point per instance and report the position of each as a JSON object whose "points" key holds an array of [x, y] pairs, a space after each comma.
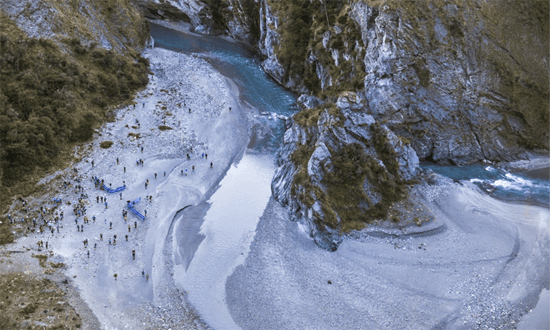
{"points": [[214, 242], [216, 237]]}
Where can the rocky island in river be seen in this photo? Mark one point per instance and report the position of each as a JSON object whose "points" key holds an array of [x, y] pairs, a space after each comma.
{"points": [[274, 164]]}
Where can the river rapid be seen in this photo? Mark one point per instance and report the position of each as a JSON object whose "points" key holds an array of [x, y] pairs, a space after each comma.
{"points": [[244, 265]]}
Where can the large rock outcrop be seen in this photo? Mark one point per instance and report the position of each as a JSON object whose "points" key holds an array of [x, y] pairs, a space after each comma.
{"points": [[463, 80], [339, 169], [457, 81]]}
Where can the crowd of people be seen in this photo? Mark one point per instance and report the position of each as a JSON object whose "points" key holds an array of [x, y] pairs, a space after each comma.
{"points": [[47, 218]]}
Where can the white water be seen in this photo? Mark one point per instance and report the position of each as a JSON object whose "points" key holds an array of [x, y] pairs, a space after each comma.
{"points": [[229, 228]]}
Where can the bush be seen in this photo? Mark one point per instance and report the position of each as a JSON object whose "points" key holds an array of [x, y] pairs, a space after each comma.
{"points": [[351, 167], [106, 144]]}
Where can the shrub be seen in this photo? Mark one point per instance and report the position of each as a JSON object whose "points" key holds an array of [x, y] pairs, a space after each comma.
{"points": [[106, 144]]}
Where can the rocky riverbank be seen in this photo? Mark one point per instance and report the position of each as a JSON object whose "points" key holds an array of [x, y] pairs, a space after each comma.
{"points": [[169, 149]]}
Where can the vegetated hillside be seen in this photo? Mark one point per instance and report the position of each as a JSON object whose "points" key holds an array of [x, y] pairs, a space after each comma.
{"points": [[58, 84], [112, 24]]}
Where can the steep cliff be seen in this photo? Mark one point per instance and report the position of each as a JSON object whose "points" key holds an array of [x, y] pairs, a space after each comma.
{"points": [[339, 169], [237, 18], [113, 24], [463, 80], [384, 83]]}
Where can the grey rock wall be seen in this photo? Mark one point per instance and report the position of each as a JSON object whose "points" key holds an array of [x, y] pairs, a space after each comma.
{"points": [[453, 82], [306, 194], [237, 18], [446, 74]]}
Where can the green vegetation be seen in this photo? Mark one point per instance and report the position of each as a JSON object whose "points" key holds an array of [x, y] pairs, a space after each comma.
{"points": [[28, 298], [342, 193], [310, 117], [304, 24], [6, 235], [351, 167], [164, 128], [134, 135], [52, 97], [106, 144], [57, 264], [301, 155], [41, 259], [29, 309]]}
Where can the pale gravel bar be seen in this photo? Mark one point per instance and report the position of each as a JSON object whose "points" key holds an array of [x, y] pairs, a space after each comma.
{"points": [[485, 270]]}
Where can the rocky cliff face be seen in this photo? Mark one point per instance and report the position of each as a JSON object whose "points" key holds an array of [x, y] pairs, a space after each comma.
{"points": [[463, 80], [237, 18], [114, 24], [339, 169]]}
